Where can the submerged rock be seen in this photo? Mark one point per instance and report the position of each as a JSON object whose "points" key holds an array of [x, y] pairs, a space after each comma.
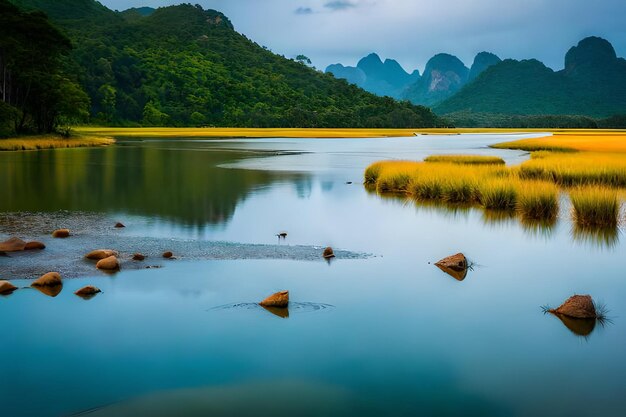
{"points": [[279, 299], [138, 257], [50, 290], [108, 264], [119, 225], [34, 245], [14, 244], [580, 327], [328, 253], [282, 312], [6, 287], [168, 255], [577, 306], [88, 291], [100, 254], [51, 279], [61, 233]]}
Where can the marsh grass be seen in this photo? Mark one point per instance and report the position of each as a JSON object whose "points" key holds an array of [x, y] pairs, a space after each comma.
{"points": [[574, 141], [595, 207], [499, 194], [538, 200], [576, 169], [32, 143], [465, 159]]}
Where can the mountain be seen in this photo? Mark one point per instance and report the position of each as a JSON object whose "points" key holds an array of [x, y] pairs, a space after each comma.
{"points": [[444, 75], [372, 74], [482, 61], [186, 66], [593, 83]]}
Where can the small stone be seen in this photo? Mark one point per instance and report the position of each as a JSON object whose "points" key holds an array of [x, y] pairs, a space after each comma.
{"points": [[167, 255], [100, 254], [577, 306], [14, 244], [6, 287], [51, 279], [61, 233], [279, 299], [328, 253], [88, 291], [138, 257], [108, 264], [456, 262], [34, 246], [119, 225]]}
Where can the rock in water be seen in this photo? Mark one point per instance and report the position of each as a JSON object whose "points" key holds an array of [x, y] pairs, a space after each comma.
{"points": [[138, 257], [328, 253], [34, 246], [577, 306], [100, 254], [87, 291], [456, 262], [50, 291], [61, 233], [6, 287], [51, 279], [119, 225], [14, 244], [108, 264], [280, 299], [167, 255], [282, 235]]}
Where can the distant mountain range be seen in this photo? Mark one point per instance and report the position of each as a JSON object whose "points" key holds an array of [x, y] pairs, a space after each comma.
{"points": [[592, 83]]}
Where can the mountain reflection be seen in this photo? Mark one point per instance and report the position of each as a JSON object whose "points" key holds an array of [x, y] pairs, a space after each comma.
{"points": [[181, 183]]}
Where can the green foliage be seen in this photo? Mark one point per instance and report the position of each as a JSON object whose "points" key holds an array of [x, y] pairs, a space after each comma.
{"points": [[185, 66], [33, 77]]}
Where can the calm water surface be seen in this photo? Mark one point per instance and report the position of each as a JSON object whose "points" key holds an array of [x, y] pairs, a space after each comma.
{"points": [[383, 335]]}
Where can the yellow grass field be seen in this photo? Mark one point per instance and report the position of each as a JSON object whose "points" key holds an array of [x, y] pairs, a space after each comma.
{"points": [[191, 132], [32, 143], [613, 141]]}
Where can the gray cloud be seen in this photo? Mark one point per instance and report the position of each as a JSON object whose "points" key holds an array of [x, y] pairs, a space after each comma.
{"points": [[339, 5], [303, 10]]}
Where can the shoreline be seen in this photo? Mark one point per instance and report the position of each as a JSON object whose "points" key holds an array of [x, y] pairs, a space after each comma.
{"points": [[258, 133], [53, 141]]}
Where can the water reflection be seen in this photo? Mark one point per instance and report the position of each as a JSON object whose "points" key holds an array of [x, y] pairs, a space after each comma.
{"points": [[538, 227], [177, 183], [283, 312], [601, 237], [50, 291], [457, 273], [580, 327]]}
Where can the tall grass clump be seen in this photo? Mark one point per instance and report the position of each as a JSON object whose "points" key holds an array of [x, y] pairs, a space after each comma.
{"points": [[577, 169], [595, 207], [372, 172], [465, 159], [499, 194], [538, 200]]}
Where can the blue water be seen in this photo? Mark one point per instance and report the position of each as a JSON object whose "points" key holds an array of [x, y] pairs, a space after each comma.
{"points": [[398, 337]]}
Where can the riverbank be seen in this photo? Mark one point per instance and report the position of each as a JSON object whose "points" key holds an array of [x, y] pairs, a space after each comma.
{"points": [[189, 132], [52, 141]]}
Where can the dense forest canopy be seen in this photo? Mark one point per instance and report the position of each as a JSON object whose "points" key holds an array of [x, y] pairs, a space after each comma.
{"points": [[186, 66], [36, 91]]}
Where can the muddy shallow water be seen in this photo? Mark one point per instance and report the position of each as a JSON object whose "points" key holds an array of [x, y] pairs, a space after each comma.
{"points": [[378, 331]]}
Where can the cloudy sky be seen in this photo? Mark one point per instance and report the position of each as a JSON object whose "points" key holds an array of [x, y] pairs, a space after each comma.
{"points": [[411, 31]]}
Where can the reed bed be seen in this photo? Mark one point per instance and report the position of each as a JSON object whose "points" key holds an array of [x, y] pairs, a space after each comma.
{"points": [[576, 169], [499, 194], [33, 143], [595, 207], [465, 159], [600, 141], [538, 200]]}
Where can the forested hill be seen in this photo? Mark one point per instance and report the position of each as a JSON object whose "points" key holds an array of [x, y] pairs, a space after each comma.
{"points": [[185, 66]]}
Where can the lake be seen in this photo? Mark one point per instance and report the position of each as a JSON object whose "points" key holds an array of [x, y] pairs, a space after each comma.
{"points": [[378, 331]]}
